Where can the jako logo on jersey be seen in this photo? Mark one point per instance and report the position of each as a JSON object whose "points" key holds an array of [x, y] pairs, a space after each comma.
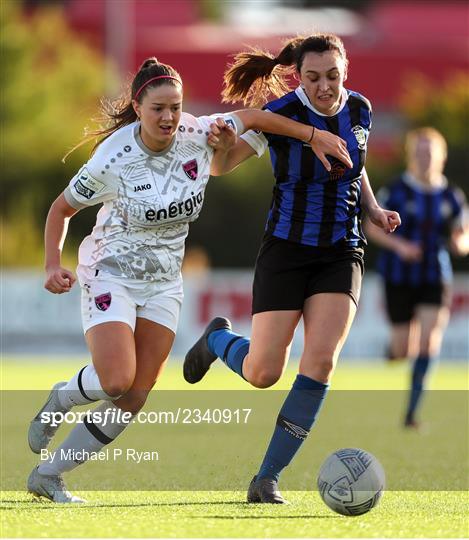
{"points": [[143, 187], [186, 207], [190, 168], [360, 135], [103, 301]]}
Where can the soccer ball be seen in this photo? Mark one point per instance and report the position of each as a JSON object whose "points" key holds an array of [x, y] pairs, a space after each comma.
{"points": [[351, 481]]}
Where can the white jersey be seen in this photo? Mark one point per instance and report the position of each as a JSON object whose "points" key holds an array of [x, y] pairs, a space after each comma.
{"points": [[149, 199]]}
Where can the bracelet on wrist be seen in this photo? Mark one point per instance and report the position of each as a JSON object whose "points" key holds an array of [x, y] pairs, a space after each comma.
{"points": [[312, 135]]}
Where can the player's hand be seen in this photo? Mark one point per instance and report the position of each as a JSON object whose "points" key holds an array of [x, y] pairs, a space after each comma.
{"points": [[222, 136], [324, 142], [388, 220], [459, 242], [59, 280], [409, 251]]}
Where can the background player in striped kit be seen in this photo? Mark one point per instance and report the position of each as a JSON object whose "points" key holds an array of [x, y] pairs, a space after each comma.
{"points": [[149, 170], [310, 263], [415, 263]]}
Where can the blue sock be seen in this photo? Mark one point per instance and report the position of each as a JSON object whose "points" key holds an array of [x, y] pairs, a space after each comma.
{"points": [[294, 421], [419, 370], [229, 347]]}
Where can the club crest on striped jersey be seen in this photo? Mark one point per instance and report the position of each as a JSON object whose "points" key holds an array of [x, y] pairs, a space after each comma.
{"points": [[103, 301], [191, 169], [360, 135]]}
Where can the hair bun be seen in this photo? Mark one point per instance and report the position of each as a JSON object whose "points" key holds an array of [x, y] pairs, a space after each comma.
{"points": [[149, 62]]}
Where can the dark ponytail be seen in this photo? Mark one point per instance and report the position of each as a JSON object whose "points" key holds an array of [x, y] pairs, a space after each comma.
{"points": [[119, 112], [257, 75]]}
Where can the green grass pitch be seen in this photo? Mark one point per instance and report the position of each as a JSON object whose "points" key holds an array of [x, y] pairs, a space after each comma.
{"points": [[219, 514]]}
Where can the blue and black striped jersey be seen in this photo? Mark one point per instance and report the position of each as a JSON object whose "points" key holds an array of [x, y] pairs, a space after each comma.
{"points": [[311, 205], [428, 216]]}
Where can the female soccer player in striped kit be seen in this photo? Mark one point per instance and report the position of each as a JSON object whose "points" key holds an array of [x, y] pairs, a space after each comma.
{"points": [[414, 263], [310, 263], [149, 171]]}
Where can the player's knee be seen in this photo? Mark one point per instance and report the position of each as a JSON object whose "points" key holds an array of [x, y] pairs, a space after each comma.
{"points": [[430, 345], [117, 384], [323, 367], [263, 378], [401, 347], [396, 352]]}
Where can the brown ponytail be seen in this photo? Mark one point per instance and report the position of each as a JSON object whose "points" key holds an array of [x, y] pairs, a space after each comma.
{"points": [[256, 75], [119, 112]]}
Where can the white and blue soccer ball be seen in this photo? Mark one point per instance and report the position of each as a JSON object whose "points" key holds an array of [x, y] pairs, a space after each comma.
{"points": [[351, 481]]}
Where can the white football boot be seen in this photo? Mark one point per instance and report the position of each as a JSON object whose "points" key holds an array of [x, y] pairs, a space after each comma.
{"points": [[50, 486], [40, 433]]}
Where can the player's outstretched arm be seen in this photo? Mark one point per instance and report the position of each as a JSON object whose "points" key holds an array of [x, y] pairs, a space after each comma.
{"points": [[322, 142], [58, 279], [408, 251], [379, 222]]}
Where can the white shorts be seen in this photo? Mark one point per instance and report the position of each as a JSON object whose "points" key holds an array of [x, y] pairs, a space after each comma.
{"points": [[108, 298]]}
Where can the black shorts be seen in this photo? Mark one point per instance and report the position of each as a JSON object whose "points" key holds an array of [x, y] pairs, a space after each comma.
{"points": [[287, 273], [401, 300]]}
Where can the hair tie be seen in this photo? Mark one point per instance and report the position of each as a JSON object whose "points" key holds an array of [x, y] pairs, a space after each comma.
{"points": [[154, 79]]}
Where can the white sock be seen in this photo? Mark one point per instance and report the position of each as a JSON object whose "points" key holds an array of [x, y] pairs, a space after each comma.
{"points": [[85, 438], [83, 388]]}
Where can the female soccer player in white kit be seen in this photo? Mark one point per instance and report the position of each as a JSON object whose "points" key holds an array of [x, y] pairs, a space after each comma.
{"points": [[149, 171]]}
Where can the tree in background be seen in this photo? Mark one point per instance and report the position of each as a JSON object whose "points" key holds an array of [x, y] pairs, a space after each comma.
{"points": [[51, 84]]}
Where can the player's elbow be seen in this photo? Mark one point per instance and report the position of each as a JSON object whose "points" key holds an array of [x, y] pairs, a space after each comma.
{"points": [[60, 207]]}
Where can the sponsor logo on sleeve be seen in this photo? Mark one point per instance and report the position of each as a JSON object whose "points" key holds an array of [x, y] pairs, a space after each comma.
{"points": [[86, 185], [83, 190]]}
